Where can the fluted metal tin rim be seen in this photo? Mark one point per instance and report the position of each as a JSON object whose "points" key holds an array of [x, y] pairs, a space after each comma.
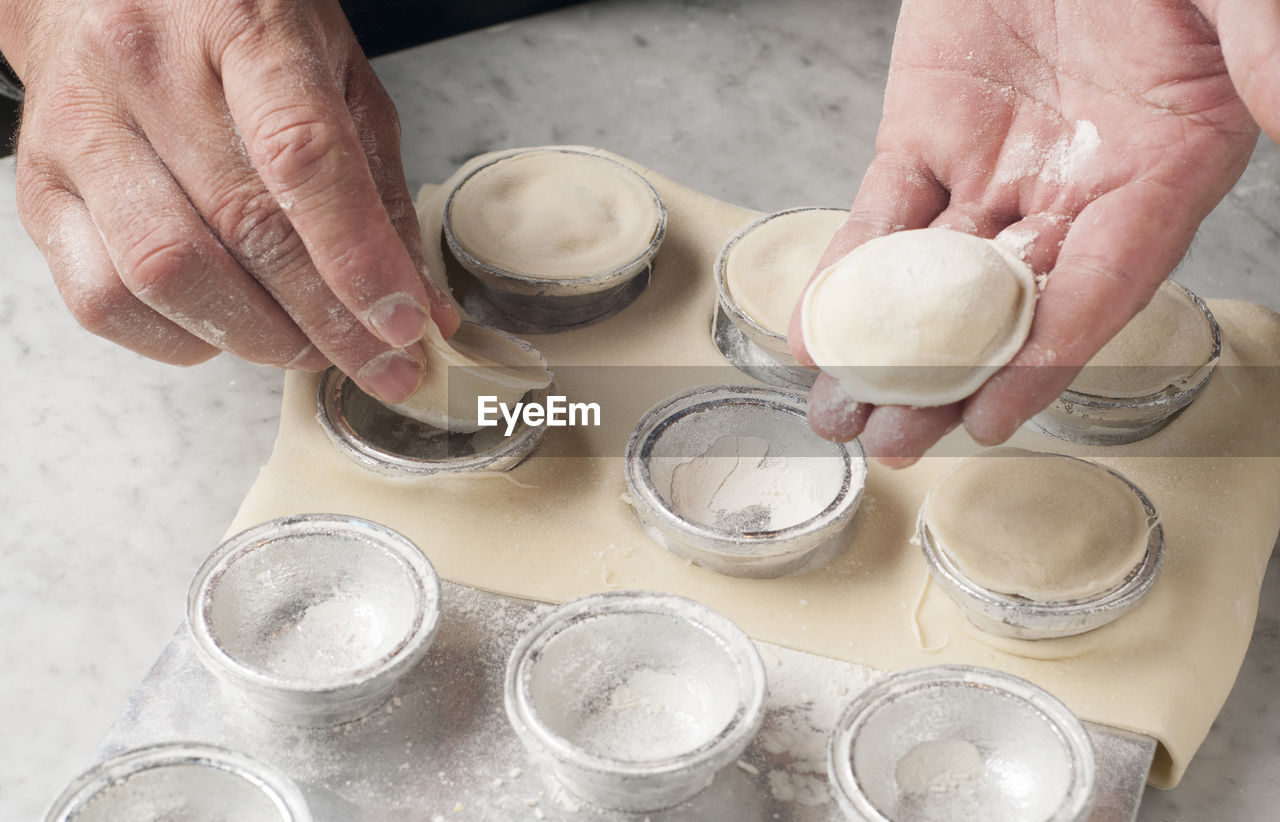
{"points": [[358, 684], [530, 285], [668, 780], [768, 553], [769, 342], [849, 791], [273, 784], [1023, 618], [1092, 419], [507, 454]]}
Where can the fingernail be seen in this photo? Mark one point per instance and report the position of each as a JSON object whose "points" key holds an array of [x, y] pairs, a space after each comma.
{"points": [[392, 375], [397, 319]]}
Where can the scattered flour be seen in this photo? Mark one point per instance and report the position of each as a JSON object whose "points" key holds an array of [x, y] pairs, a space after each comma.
{"points": [[791, 748]]}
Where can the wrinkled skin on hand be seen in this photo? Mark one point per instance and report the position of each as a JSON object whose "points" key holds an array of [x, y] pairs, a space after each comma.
{"points": [[981, 94], [208, 175]]}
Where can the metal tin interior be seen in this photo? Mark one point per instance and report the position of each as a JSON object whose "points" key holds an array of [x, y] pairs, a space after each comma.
{"points": [[539, 303], [187, 781], [382, 440], [687, 424], [1095, 420], [314, 617], [959, 742], [635, 698], [1023, 618]]}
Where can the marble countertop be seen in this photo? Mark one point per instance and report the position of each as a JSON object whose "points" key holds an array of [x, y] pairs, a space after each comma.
{"points": [[120, 475]]}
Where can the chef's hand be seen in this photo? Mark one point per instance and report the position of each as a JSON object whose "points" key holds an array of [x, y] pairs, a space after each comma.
{"points": [[1105, 135], [214, 174]]}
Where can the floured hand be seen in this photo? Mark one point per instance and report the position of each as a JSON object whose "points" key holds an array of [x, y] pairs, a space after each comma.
{"points": [[221, 175], [1092, 142]]}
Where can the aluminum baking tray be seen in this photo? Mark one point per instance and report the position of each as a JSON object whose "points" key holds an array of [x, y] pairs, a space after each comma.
{"points": [[442, 750]]}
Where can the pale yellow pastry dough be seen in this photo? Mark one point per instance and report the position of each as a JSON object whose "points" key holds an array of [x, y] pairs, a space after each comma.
{"points": [[918, 317], [767, 269], [555, 215], [1042, 526], [477, 361], [556, 527], [1167, 344]]}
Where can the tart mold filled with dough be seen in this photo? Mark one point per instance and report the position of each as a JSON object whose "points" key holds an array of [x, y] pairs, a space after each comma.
{"points": [[1037, 545], [919, 318], [1165, 346], [554, 221], [1157, 365], [763, 270]]}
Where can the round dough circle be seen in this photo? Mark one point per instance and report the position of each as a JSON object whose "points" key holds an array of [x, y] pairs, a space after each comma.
{"points": [[555, 215], [1166, 344], [770, 263], [1046, 527], [919, 317], [477, 361]]}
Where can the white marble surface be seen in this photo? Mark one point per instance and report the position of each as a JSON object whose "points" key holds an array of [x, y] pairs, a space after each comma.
{"points": [[119, 475]]}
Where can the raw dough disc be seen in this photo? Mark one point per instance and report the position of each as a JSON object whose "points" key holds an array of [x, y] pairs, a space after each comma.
{"points": [[1043, 526], [477, 361], [1165, 345], [769, 265], [555, 215], [918, 317]]}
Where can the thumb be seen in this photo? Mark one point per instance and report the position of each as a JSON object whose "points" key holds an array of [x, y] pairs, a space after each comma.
{"points": [[1250, 36]]}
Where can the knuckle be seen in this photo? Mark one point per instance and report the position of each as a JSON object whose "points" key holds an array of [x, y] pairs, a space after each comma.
{"points": [[401, 211], [404, 219], [390, 117], [357, 269], [34, 186], [157, 264], [238, 21], [292, 144], [258, 232], [124, 34], [97, 300]]}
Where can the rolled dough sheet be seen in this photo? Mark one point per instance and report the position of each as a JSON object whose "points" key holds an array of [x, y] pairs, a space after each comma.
{"points": [[557, 526]]}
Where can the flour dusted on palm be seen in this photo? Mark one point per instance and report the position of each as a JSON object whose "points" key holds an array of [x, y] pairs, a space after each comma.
{"points": [[1061, 162]]}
